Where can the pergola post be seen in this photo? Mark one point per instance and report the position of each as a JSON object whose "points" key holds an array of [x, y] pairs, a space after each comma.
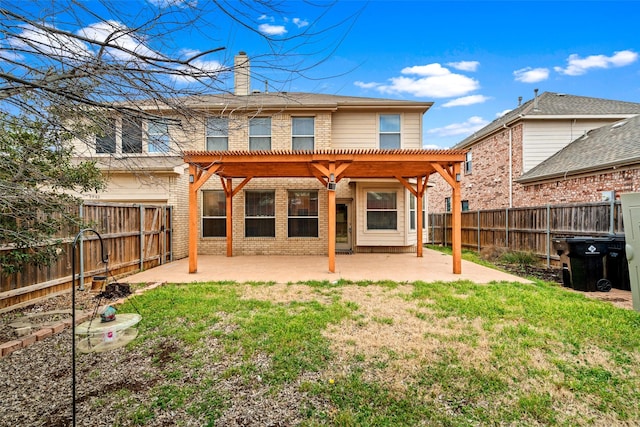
{"points": [[456, 223], [331, 227], [193, 220], [228, 192], [420, 192]]}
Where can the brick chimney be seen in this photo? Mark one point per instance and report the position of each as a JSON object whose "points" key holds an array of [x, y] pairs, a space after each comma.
{"points": [[242, 74]]}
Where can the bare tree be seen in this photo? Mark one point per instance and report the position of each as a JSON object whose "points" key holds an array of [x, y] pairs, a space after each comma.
{"points": [[71, 66]]}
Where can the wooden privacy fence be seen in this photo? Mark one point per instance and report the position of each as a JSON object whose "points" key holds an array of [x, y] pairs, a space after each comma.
{"points": [[136, 237], [530, 229]]}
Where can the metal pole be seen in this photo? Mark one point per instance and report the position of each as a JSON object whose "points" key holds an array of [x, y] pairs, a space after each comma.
{"points": [[506, 228], [105, 260], [81, 251], [141, 237], [612, 212]]}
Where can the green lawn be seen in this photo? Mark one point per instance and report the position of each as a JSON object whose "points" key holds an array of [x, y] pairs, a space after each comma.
{"points": [[385, 354]]}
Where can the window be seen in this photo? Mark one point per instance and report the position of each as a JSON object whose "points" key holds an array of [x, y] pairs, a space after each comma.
{"points": [[214, 214], [412, 212], [158, 137], [465, 205], [382, 211], [302, 133], [447, 204], [389, 131], [106, 140], [259, 212], [260, 134], [217, 134], [303, 213], [131, 135], [467, 162]]}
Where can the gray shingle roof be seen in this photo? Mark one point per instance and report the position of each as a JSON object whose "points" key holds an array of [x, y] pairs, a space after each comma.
{"points": [[617, 144], [560, 105], [299, 99]]}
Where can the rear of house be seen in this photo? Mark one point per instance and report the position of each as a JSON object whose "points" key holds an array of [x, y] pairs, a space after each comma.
{"points": [[143, 162]]}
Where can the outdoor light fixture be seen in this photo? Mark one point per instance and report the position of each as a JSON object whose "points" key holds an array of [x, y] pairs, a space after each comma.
{"points": [[331, 185], [191, 179], [457, 177]]}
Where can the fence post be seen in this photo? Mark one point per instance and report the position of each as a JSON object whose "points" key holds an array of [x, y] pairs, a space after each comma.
{"points": [[81, 241], [141, 237], [506, 228], [444, 229], [612, 208], [479, 231], [548, 236]]}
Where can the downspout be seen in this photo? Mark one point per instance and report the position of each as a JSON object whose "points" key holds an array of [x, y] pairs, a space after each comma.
{"points": [[510, 164]]}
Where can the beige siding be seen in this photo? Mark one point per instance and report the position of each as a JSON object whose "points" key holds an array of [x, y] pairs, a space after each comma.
{"points": [[359, 130], [543, 138], [366, 237]]}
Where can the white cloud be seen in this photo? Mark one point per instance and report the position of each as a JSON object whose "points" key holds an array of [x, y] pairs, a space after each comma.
{"points": [[120, 36], [43, 42], [272, 30], [577, 66], [434, 81], [364, 85], [502, 113], [464, 65], [471, 125], [531, 75], [466, 100], [434, 69], [266, 18], [431, 147], [300, 23], [170, 3]]}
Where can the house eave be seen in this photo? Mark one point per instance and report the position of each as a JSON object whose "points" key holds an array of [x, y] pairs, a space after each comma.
{"points": [[603, 168]]}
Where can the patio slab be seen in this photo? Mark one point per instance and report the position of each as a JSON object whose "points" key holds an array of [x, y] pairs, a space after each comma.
{"points": [[433, 266]]}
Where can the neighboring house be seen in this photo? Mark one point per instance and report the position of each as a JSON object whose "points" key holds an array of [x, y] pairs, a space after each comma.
{"points": [[144, 163], [598, 166], [504, 151]]}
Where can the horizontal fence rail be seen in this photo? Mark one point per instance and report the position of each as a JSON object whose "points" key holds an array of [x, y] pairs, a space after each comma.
{"points": [[531, 229], [136, 237]]}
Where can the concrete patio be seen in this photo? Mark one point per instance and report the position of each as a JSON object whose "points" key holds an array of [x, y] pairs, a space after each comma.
{"points": [[433, 266]]}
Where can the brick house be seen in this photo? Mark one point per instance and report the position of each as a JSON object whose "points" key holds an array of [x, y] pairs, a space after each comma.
{"points": [[599, 165], [500, 156], [145, 162]]}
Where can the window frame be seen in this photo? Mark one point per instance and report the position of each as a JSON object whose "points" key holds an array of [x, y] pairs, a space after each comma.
{"points": [[219, 132], [254, 136], [295, 136], [134, 124], [468, 162], [447, 204], [164, 135], [309, 217], [369, 210], [383, 131], [271, 218], [213, 217], [110, 138]]}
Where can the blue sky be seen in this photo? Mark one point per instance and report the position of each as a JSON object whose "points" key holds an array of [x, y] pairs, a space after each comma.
{"points": [[472, 59]]}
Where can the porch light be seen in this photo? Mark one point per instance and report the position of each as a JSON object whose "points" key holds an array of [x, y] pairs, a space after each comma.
{"points": [[331, 185], [457, 177], [191, 179]]}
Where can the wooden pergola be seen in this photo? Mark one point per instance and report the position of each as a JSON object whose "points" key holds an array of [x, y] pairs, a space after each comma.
{"points": [[329, 167]]}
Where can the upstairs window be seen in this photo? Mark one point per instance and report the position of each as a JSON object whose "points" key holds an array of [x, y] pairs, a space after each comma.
{"points": [[131, 136], [389, 131], [217, 134], [382, 210], [106, 139], [302, 133], [303, 213], [260, 213], [467, 162], [158, 137], [260, 134], [214, 214]]}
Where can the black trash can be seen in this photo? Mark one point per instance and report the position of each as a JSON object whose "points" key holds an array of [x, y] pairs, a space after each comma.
{"points": [[616, 264], [587, 263]]}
